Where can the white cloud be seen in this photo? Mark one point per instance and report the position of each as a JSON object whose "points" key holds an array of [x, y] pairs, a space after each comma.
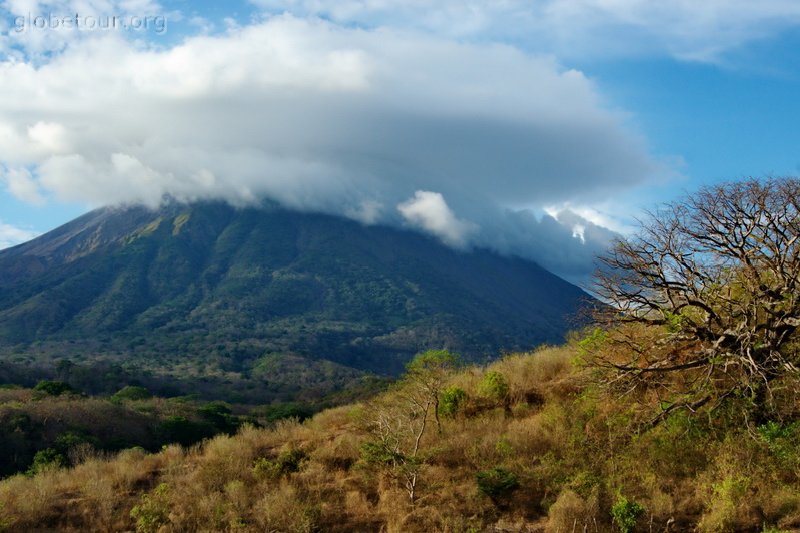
{"points": [[48, 137], [428, 211], [599, 215], [322, 117], [20, 183], [688, 29], [11, 235], [367, 212], [304, 110]]}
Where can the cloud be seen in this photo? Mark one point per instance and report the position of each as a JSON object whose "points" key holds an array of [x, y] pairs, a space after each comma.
{"points": [[324, 117], [686, 29], [429, 211], [20, 183], [368, 212], [288, 105], [11, 235]]}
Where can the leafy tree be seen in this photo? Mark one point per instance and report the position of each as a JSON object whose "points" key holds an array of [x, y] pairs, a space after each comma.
{"points": [[709, 288], [64, 368], [132, 393], [219, 414], [183, 431], [399, 425], [53, 388], [430, 370], [283, 410]]}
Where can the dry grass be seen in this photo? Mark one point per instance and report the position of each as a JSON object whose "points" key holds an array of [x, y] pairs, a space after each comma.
{"points": [[572, 452]]}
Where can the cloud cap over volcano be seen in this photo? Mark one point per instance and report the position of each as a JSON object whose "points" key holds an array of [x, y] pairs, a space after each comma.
{"points": [[320, 117]]}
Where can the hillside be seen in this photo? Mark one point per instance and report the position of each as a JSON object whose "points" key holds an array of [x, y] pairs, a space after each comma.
{"points": [[528, 444], [263, 300]]}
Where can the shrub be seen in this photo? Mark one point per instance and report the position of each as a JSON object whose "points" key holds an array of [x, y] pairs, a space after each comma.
{"points": [[453, 399], [781, 440], [153, 511], [625, 513], [179, 429], [46, 459], [131, 393], [220, 415], [570, 510], [53, 388], [494, 386], [287, 462], [283, 410], [728, 509], [497, 483]]}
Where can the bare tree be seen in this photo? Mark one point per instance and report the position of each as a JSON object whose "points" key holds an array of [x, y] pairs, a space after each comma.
{"points": [[712, 281], [397, 425], [398, 421]]}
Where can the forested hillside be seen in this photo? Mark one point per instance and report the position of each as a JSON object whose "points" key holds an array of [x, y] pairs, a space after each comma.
{"points": [[259, 303]]}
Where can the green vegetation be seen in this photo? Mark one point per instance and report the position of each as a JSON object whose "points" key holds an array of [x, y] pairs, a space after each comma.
{"points": [[286, 463], [153, 511], [497, 483], [53, 388], [494, 387], [452, 400], [625, 514], [56, 425], [132, 393], [256, 305], [45, 460]]}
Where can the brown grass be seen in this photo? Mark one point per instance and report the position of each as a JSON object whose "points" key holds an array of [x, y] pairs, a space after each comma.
{"points": [[573, 451]]}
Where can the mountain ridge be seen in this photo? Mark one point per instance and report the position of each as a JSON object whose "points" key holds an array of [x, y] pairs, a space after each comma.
{"points": [[233, 285]]}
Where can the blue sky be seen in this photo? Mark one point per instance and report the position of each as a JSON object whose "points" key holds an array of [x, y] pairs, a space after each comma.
{"points": [[466, 120]]}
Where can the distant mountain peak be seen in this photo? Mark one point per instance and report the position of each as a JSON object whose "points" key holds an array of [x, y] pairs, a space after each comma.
{"points": [[219, 288]]}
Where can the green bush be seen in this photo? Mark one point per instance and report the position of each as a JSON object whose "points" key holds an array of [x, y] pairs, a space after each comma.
{"points": [[497, 483], [71, 439], [781, 440], [287, 462], [625, 514], [183, 431], [220, 415], [494, 386], [153, 511], [453, 399], [131, 393], [434, 361], [45, 460], [283, 410], [53, 388]]}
